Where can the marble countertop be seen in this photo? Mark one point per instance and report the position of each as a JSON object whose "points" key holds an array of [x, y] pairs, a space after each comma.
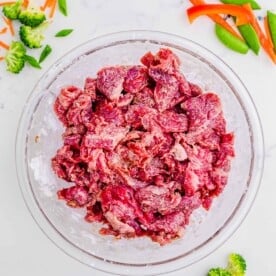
{"points": [[24, 249]]}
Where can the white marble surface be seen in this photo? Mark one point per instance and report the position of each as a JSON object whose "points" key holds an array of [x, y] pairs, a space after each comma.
{"points": [[24, 249]]}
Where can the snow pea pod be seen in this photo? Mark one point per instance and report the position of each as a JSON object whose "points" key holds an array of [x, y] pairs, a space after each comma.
{"points": [[271, 20], [253, 3], [250, 36], [230, 41]]}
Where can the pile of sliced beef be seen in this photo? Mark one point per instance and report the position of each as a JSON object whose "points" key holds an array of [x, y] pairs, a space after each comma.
{"points": [[142, 148]]}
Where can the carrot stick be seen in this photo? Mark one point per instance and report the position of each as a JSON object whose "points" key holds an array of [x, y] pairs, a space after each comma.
{"points": [[6, 3], [263, 39], [45, 5], [3, 30], [267, 31], [4, 45], [9, 24], [25, 4], [218, 19], [53, 8], [2, 58]]}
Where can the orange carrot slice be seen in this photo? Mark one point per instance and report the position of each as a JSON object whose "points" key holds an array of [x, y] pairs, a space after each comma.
{"points": [[4, 45], [3, 30], [266, 44], [9, 24], [45, 5], [51, 4], [2, 58], [25, 4], [53, 8], [267, 31], [6, 3]]}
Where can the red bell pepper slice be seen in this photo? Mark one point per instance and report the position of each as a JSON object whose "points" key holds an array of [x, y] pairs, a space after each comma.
{"points": [[218, 19], [243, 15]]}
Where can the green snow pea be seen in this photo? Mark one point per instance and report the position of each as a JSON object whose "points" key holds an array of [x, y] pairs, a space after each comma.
{"points": [[253, 3], [230, 41], [271, 20], [250, 36]]}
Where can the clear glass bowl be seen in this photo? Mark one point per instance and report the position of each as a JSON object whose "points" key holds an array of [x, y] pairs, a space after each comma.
{"points": [[39, 136]]}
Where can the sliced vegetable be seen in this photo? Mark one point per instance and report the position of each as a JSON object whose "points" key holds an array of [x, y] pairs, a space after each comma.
{"points": [[230, 41], [25, 4], [4, 45], [7, 3], [10, 25], [251, 37], [267, 31], [32, 61], [12, 11], [2, 58], [15, 60], [53, 4], [3, 30], [45, 53], [63, 32], [253, 3], [271, 20], [242, 14], [45, 5], [62, 5], [218, 19], [263, 40]]}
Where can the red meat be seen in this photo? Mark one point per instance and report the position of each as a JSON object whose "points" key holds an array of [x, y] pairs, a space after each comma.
{"points": [[167, 95], [143, 148], [136, 79], [90, 86], [110, 81]]}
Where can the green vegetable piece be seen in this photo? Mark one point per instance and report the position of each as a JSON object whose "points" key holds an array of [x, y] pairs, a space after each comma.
{"points": [[251, 37], [253, 3], [45, 53], [63, 32], [12, 11], [236, 265], [32, 61], [33, 37], [271, 20], [31, 17], [218, 272], [230, 41], [62, 5], [15, 57]]}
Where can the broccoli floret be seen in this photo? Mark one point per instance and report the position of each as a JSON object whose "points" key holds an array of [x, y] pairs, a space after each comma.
{"points": [[12, 11], [15, 57], [32, 37], [236, 265], [31, 17], [218, 272]]}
